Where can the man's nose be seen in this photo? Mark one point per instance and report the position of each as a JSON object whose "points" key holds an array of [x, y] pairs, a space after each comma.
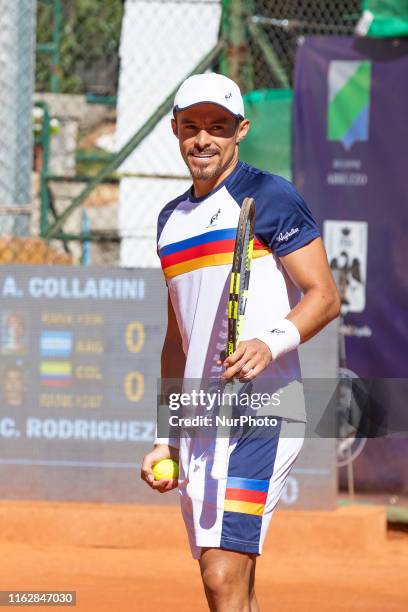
{"points": [[202, 139]]}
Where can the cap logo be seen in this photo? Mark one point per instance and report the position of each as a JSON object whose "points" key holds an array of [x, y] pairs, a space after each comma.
{"points": [[227, 96]]}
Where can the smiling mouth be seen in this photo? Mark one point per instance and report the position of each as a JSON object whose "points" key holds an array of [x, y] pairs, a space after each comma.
{"points": [[201, 156]]}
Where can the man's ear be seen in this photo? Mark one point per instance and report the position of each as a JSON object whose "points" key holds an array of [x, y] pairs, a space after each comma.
{"points": [[174, 126], [243, 130]]}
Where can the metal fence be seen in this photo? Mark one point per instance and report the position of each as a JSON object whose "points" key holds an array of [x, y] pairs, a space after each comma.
{"points": [[275, 27], [105, 161], [79, 53]]}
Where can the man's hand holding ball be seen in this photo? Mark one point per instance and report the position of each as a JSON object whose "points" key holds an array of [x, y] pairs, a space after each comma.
{"points": [[160, 468]]}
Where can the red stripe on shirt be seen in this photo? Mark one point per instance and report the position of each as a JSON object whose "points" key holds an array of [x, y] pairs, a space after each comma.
{"points": [[208, 248], [258, 497], [260, 245]]}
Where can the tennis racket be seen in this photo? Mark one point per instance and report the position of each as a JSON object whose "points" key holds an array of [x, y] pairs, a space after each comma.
{"points": [[238, 293]]}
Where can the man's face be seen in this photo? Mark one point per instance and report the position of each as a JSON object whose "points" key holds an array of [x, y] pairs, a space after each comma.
{"points": [[208, 136]]}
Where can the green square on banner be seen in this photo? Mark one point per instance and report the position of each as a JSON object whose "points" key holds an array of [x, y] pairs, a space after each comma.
{"points": [[349, 84]]}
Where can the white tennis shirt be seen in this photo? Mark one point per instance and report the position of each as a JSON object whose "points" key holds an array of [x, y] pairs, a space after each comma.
{"points": [[195, 242]]}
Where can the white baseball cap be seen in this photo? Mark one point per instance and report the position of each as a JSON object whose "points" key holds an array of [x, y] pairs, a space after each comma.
{"points": [[210, 88]]}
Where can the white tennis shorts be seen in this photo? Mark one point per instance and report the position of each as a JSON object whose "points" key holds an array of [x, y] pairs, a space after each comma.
{"points": [[235, 513]]}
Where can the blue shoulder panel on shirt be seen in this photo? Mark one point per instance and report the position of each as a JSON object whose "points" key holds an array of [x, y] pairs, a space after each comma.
{"points": [[283, 219]]}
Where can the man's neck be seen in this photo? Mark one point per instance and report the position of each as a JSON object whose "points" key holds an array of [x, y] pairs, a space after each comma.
{"points": [[202, 188]]}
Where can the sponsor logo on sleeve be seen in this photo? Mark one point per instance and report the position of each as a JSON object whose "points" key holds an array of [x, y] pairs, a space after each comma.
{"points": [[284, 237]]}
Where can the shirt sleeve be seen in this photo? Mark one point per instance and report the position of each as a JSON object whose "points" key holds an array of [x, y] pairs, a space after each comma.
{"points": [[285, 221]]}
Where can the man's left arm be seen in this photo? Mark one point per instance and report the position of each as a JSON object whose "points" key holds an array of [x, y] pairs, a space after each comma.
{"points": [[309, 270]]}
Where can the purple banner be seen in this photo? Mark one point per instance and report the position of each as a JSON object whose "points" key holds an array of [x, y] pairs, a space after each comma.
{"points": [[350, 154]]}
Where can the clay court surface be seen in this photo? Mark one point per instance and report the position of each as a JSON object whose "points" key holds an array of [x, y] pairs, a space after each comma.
{"points": [[124, 558]]}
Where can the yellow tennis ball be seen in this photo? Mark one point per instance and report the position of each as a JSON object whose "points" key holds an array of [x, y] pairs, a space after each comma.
{"points": [[166, 468]]}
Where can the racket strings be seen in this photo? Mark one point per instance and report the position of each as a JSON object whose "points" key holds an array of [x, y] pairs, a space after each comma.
{"points": [[240, 273], [245, 268]]}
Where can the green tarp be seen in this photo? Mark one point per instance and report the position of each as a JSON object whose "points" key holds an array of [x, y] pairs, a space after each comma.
{"points": [[268, 143], [384, 18]]}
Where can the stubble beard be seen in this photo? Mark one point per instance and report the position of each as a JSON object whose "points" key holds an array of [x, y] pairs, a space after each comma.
{"points": [[210, 172], [205, 173]]}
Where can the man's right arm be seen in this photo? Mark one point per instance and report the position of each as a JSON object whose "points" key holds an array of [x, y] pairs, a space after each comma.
{"points": [[173, 359], [173, 363]]}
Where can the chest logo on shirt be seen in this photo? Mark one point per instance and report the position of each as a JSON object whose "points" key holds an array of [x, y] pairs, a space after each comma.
{"points": [[214, 219]]}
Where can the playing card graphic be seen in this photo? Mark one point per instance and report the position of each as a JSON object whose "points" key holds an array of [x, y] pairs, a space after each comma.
{"points": [[346, 246]]}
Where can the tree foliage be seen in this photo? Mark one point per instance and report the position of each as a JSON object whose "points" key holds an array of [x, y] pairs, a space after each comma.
{"points": [[89, 45]]}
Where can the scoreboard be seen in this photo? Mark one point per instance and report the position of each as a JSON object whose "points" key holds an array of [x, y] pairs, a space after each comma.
{"points": [[79, 364]]}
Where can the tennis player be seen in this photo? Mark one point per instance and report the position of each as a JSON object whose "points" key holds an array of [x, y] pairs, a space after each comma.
{"points": [[227, 519]]}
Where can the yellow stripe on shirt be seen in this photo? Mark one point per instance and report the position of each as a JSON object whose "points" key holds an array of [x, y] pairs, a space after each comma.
{"points": [[217, 259], [244, 507]]}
